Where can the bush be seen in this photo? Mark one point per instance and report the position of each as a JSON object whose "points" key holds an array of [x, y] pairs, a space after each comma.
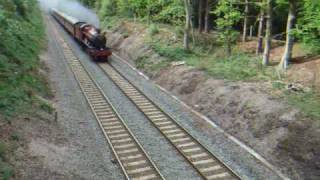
{"points": [[153, 29], [179, 31], [236, 67], [141, 62], [173, 53]]}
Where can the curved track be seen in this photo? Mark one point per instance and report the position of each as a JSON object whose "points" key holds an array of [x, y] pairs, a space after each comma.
{"points": [[132, 158], [207, 164]]}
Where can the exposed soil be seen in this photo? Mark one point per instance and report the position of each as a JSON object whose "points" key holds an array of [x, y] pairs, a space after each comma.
{"points": [[246, 110]]}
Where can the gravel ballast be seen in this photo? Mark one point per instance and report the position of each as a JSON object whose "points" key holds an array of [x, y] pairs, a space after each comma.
{"points": [[166, 158], [232, 154], [86, 155], [162, 153]]}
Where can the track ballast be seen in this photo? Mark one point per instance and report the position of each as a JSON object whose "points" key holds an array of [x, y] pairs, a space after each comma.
{"points": [[133, 160], [207, 165]]}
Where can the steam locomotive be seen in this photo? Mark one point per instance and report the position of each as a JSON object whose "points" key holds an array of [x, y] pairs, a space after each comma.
{"points": [[90, 37]]}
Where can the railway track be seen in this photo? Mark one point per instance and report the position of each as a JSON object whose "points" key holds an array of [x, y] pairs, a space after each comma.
{"points": [[133, 160], [206, 163]]}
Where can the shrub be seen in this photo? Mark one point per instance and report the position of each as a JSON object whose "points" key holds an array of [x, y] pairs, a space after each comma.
{"points": [[153, 29]]}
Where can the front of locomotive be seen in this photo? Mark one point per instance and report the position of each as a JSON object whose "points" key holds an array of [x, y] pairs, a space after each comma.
{"points": [[97, 48]]}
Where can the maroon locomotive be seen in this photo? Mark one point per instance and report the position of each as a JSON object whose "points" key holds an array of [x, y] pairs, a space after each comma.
{"points": [[89, 36]]}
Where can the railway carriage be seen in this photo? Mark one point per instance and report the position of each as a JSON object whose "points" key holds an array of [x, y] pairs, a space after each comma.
{"points": [[89, 36]]}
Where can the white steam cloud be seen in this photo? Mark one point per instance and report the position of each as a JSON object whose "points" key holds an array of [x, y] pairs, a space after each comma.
{"points": [[72, 8]]}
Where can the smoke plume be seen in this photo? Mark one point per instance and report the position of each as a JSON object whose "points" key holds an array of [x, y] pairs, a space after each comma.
{"points": [[72, 8]]}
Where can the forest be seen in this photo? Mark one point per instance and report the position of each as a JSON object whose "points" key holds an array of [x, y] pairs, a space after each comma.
{"points": [[233, 20]]}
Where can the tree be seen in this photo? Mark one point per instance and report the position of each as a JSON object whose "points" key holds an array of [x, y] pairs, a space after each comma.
{"points": [[267, 47], [186, 36], [200, 15], [308, 29], [289, 39], [245, 21], [228, 16], [259, 49], [206, 15]]}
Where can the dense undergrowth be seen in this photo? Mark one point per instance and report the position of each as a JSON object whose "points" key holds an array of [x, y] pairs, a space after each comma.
{"points": [[21, 39]]}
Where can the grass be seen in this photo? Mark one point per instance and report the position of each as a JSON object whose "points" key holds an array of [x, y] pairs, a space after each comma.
{"points": [[307, 102], [6, 170], [237, 67]]}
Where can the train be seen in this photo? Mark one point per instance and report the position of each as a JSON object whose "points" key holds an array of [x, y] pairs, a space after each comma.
{"points": [[89, 36]]}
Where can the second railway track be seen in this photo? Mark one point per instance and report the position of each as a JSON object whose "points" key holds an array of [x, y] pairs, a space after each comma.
{"points": [[133, 160], [207, 164]]}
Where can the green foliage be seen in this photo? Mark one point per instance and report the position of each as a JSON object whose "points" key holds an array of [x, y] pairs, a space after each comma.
{"points": [[20, 43], [228, 16], [308, 29], [107, 8], [307, 102], [173, 53], [179, 31], [171, 14], [6, 171], [162, 11], [153, 29], [141, 62], [236, 67]]}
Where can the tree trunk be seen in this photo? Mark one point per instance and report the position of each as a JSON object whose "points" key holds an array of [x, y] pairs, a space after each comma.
{"points": [[229, 47], [267, 47], [187, 26], [289, 39], [245, 21], [251, 33], [260, 32], [206, 16], [200, 16]]}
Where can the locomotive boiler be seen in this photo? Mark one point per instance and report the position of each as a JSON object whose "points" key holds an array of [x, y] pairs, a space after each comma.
{"points": [[90, 37]]}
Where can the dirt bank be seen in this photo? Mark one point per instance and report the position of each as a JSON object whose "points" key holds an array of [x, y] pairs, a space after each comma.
{"points": [[246, 110]]}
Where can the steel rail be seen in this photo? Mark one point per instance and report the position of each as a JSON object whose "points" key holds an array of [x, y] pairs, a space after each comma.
{"points": [[205, 162], [132, 158]]}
